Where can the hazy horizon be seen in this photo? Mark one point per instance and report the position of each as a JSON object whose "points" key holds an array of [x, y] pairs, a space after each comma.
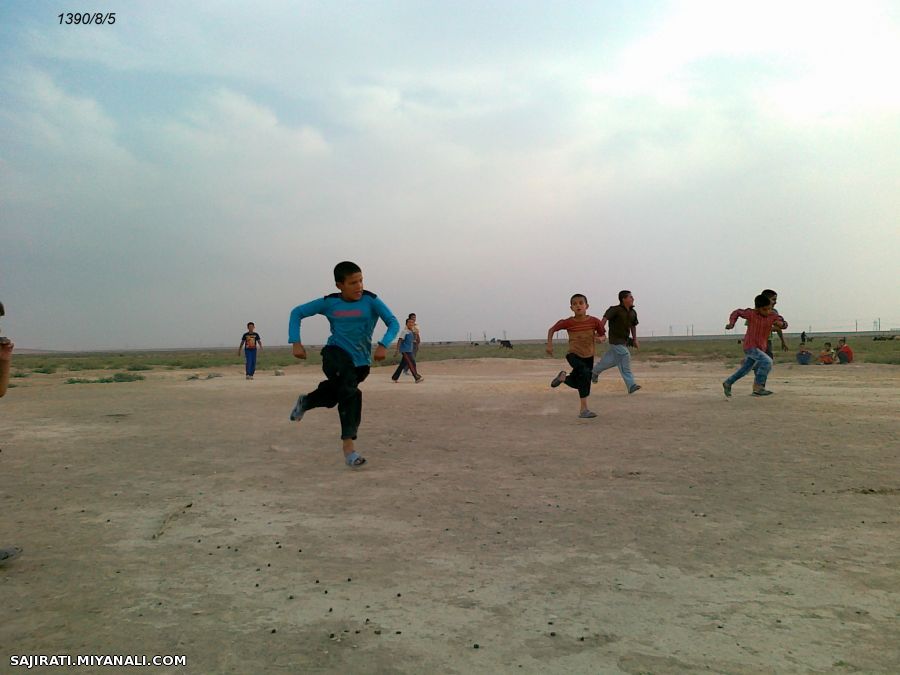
{"points": [[192, 167]]}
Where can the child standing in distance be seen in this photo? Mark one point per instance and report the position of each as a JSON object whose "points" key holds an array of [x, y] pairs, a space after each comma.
{"points": [[346, 357], [623, 323], [759, 326], [583, 329], [406, 348], [250, 341]]}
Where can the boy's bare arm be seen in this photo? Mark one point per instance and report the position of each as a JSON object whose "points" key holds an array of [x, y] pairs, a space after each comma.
{"points": [[298, 350], [550, 341], [784, 344]]}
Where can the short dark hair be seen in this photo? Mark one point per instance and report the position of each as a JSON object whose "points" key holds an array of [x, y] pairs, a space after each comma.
{"points": [[761, 301], [769, 293], [623, 295], [410, 315], [578, 295], [344, 269], [250, 323]]}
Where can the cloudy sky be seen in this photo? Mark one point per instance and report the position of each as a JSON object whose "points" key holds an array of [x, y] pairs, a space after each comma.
{"points": [[196, 165]]}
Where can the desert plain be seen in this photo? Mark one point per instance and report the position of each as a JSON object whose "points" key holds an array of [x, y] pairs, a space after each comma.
{"points": [[490, 531]]}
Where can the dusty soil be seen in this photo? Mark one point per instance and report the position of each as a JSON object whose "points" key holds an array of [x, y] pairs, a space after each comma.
{"points": [[676, 533]]}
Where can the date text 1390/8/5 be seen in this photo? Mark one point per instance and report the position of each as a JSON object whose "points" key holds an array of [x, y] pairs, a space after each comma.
{"points": [[87, 18]]}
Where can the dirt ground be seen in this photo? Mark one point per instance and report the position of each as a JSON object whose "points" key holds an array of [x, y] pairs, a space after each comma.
{"points": [[675, 533]]}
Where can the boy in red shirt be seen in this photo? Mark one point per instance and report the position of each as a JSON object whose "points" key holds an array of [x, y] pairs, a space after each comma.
{"points": [[759, 326], [583, 330], [844, 353]]}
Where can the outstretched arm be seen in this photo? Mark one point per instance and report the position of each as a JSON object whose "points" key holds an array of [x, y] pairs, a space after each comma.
{"points": [[393, 328], [600, 331], [742, 313], [299, 313], [555, 327]]}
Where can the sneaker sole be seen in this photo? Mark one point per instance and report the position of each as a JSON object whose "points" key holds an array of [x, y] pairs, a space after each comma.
{"points": [[298, 411]]}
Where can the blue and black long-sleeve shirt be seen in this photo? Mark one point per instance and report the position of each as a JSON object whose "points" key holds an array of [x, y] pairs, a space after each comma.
{"points": [[352, 323]]}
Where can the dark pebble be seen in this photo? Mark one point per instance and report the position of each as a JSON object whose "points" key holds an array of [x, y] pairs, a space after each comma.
{"points": [[476, 646], [377, 632], [398, 595], [290, 597], [274, 631], [331, 636], [399, 632], [326, 591], [552, 634], [349, 579], [277, 542], [331, 609], [257, 585], [317, 581], [268, 564]]}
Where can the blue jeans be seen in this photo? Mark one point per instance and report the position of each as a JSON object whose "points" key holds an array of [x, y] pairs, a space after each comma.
{"points": [[757, 360], [617, 355], [250, 356]]}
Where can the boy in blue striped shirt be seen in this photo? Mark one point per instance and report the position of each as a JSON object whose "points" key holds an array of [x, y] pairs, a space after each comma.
{"points": [[347, 355]]}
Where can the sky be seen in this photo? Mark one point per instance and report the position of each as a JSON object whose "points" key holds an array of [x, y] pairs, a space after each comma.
{"points": [[194, 166]]}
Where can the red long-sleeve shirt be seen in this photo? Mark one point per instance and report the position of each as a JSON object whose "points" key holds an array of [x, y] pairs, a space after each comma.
{"points": [[759, 327]]}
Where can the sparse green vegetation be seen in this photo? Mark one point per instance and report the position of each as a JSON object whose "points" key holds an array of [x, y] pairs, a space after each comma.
{"points": [[725, 349]]}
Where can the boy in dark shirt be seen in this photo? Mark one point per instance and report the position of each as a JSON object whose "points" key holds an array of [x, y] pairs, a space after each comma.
{"points": [[347, 356], [623, 323], [250, 341]]}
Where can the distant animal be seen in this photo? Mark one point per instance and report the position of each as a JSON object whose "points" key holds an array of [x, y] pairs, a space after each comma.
{"points": [[505, 344]]}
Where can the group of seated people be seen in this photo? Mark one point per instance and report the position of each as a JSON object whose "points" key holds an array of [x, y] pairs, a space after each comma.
{"points": [[843, 354]]}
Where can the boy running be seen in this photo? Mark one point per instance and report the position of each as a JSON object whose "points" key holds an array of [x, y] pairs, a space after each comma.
{"points": [[406, 348], [583, 329], [759, 327], [623, 323], [347, 355]]}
